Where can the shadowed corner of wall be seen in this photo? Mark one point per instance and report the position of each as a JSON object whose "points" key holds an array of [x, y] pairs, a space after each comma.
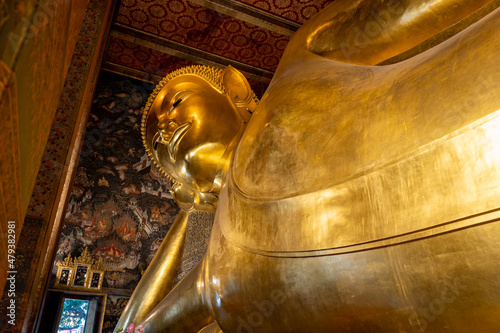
{"points": [[10, 177]]}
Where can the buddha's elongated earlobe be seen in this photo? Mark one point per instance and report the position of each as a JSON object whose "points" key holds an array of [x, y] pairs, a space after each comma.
{"points": [[189, 199], [239, 92]]}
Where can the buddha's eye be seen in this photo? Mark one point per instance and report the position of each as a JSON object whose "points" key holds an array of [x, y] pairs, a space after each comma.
{"points": [[177, 102]]}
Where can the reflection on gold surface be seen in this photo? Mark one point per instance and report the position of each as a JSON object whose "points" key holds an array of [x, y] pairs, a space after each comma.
{"points": [[157, 281], [357, 198]]}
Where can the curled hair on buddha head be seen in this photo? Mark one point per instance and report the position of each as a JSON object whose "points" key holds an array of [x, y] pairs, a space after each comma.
{"points": [[228, 82]]}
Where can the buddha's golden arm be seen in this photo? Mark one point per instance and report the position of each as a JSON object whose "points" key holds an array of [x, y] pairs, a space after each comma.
{"points": [[157, 281], [184, 309], [369, 32]]}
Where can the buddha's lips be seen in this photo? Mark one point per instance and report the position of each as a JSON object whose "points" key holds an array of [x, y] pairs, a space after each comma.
{"points": [[173, 143]]}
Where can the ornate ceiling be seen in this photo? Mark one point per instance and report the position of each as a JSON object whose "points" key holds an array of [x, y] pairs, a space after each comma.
{"points": [[150, 38]]}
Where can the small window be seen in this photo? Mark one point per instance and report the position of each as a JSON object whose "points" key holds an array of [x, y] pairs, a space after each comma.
{"points": [[73, 316]]}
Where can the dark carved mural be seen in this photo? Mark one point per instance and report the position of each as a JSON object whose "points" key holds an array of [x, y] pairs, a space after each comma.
{"points": [[114, 308], [120, 208]]}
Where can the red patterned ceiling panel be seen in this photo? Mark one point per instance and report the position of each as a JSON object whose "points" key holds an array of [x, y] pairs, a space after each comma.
{"points": [[155, 62], [204, 29], [144, 59], [294, 10]]}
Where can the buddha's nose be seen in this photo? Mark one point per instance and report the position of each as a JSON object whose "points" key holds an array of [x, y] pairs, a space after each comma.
{"points": [[165, 128], [163, 121]]}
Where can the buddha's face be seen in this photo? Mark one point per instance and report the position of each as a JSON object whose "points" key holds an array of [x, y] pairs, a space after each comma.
{"points": [[196, 125]]}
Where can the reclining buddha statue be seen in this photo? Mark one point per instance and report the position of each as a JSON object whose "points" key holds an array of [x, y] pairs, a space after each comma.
{"points": [[361, 194]]}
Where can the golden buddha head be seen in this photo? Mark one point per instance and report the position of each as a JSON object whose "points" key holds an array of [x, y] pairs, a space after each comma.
{"points": [[191, 124]]}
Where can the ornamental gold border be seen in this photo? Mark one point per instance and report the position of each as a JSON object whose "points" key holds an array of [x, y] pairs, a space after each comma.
{"points": [[99, 283], [59, 273], [84, 260]]}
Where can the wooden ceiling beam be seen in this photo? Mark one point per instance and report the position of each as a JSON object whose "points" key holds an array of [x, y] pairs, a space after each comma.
{"points": [[179, 50], [251, 15], [136, 74]]}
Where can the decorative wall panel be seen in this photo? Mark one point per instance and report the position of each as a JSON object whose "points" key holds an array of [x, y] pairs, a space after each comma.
{"points": [[38, 39], [114, 308], [47, 50], [196, 244], [120, 208]]}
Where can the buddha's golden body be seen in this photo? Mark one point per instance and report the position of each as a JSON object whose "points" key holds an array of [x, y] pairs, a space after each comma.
{"points": [[359, 197]]}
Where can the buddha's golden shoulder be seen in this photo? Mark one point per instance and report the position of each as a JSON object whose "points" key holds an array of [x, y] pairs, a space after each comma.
{"points": [[328, 122], [374, 152]]}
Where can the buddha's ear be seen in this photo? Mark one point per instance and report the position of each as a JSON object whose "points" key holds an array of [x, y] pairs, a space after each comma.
{"points": [[190, 199], [238, 91]]}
